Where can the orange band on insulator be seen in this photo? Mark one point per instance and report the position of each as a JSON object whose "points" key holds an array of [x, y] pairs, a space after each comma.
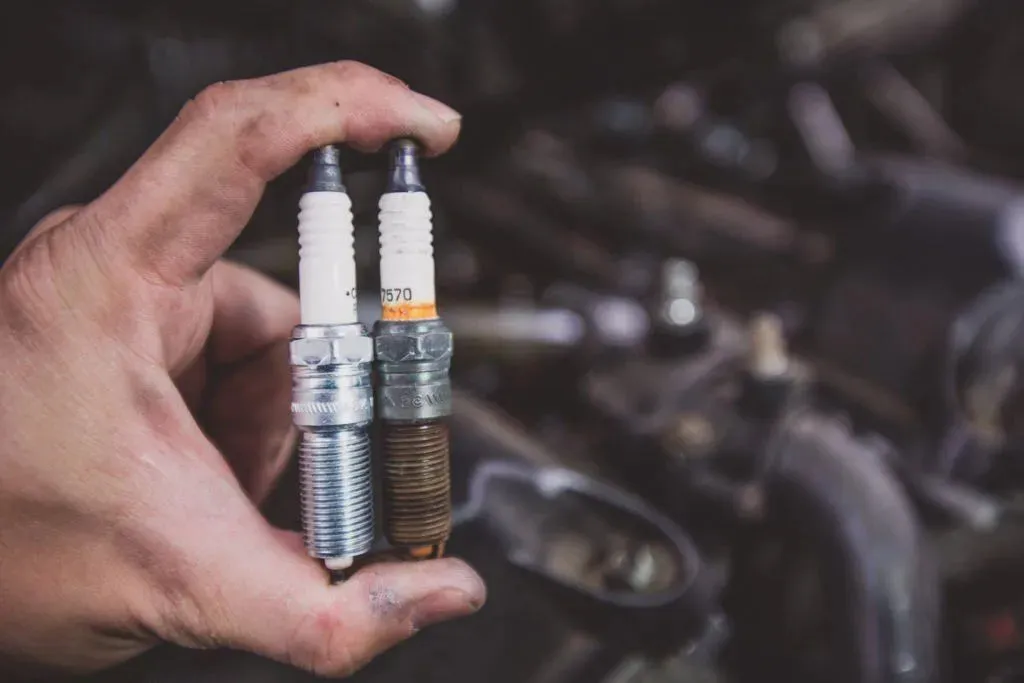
{"points": [[409, 311]]}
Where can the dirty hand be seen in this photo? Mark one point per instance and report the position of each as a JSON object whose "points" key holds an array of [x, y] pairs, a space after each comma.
{"points": [[144, 404]]}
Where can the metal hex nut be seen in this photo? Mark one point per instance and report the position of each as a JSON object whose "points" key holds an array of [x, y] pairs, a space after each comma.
{"points": [[414, 346], [436, 345], [354, 349], [395, 348], [348, 350]]}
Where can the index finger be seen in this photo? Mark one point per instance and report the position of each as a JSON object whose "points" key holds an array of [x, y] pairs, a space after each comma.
{"points": [[185, 201]]}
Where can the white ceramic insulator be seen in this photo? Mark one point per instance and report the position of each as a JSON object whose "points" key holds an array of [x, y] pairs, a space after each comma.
{"points": [[768, 354], [406, 249], [327, 263], [338, 564]]}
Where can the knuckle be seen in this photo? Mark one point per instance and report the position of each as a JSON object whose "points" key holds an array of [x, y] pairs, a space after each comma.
{"points": [[349, 70], [67, 276], [27, 294], [213, 102], [229, 108], [356, 74], [50, 221]]}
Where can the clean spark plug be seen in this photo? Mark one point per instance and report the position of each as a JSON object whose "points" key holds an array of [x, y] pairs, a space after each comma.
{"points": [[414, 351], [331, 358]]}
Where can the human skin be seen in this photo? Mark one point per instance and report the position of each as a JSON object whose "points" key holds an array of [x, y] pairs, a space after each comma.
{"points": [[144, 404]]}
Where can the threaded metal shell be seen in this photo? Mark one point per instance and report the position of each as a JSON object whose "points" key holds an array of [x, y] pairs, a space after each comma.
{"points": [[337, 492], [417, 483]]}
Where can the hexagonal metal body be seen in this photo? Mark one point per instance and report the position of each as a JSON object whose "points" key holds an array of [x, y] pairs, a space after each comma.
{"points": [[331, 373], [321, 345], [413, 360], [413, 342]]}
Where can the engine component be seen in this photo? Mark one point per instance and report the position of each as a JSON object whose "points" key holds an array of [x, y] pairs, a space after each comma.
{"points": [[331, 357], [877, 571], [768, 358], [983, 387], [679, 324], [628, 572], [837, 29], [985, 361], [980, 218], [414, 351], [770, 378]]}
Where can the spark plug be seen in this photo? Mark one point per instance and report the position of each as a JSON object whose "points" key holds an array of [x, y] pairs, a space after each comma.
{"points": [[331, 359], [414, 350]]}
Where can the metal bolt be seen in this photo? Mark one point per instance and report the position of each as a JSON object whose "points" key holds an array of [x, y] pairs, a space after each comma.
{"points": [[643, 570], [680, 293], [637, 569]]}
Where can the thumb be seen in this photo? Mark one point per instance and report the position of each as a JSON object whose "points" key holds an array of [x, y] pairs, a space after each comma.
{"points": [[277, 603], [380, 607]]}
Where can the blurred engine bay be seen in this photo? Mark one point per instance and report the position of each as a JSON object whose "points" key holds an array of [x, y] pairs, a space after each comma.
{"points": [[736, 299]]}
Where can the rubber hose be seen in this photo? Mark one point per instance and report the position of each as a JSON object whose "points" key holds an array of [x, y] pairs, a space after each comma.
{"points": [[876, 566]]}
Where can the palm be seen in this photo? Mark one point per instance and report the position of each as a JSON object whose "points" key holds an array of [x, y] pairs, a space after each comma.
{"points": [[235, 376]]}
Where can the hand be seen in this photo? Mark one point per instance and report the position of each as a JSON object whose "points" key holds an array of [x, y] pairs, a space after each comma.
{"points": [[144, 404]]}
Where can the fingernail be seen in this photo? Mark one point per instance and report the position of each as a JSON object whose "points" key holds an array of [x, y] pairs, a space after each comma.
{"points": [[466, 579], [438, 109], [446, 604]]}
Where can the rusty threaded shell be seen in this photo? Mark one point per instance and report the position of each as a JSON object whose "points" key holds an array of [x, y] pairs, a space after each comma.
{"points": [[417, 483]]}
